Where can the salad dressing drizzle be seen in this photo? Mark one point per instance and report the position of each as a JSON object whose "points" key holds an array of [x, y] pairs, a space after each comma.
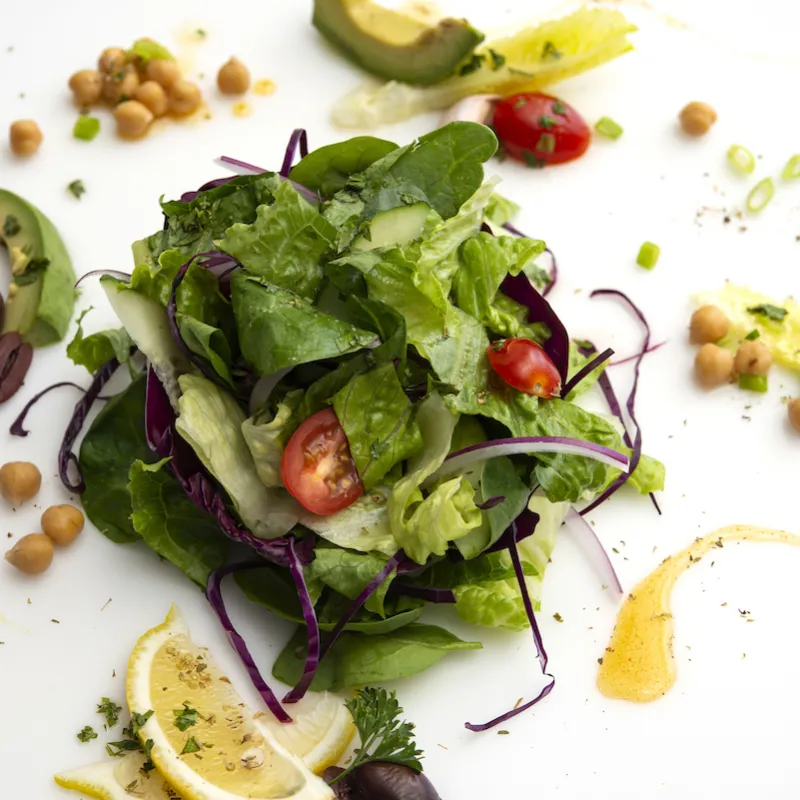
{"points": [[639, 664]]}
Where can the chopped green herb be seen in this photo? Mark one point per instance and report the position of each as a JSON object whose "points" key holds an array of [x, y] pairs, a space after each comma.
{"points": [[56, 621], [550, 52], [11, 226], [559, 108], [741, 159], [110, 710], [775, 313], [86, 128], [546, 143], [502, 733], [191, 746], [753, 383], [557, 617], [607, 127], [185, 717], [546, 122], [753, 335], [760, 195], [498, 59], [87, 734], [792, 168], [201, 33], [532, 161], [131, 741], [77, 188], [520, 102], [648, 255], [474, 64]]}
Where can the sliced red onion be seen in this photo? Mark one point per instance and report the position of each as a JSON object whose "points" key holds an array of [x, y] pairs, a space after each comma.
{"points": [[474, 108], [113, 273], [263, 389], [299, 136], [474, 454], [523, 527], [17, 426], [215, 599], [594, 549], [585, 370]]}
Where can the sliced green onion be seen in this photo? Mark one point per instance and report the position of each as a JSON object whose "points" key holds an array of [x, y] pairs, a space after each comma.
{"points": [[753, 335], [741, 159], [606, 126], [792, 168], [546, 143], [761, 195], [86, 128], [753, 383], [648, 255]]}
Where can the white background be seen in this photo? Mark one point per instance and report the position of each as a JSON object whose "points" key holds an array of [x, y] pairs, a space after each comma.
{"points": [[728, 729]]}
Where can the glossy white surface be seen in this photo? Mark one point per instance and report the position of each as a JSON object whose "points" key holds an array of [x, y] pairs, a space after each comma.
{"points": [[728, 730]]}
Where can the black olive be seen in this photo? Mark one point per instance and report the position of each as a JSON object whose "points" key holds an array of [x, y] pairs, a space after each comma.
{"points": [[384, 781], [341, 789]]}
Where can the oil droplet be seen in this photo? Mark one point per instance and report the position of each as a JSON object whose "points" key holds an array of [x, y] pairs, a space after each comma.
{"points": [[242, 109], [264, 87], [639, 664]]}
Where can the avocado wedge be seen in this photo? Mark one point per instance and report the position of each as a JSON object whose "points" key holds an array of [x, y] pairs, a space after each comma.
{"points": [[41, 297], [393, 45]]}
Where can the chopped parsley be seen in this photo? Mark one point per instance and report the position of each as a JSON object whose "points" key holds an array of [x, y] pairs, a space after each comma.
{"points": [[550, 52], [753, 335], [546, 143], [521, 102], [473, 65], [498, 59], [191, 746], [11, 226], [77, 188], [87, 734], [110, 710], [775, 313], [559, 108], [131, 743], [557, 617], [546, 122], [532, 161], [185, 717], [201, 33]]}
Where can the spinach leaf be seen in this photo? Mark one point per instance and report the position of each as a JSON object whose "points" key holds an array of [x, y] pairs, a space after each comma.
{"points": [[326, 170], [171, 525], [98, 348], [113, 442], [285, 243], [378, 420], [278, 328], [358, 660]]}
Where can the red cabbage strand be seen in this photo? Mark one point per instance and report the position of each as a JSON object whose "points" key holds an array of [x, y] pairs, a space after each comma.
{"points": [[299, 136], [585, 370], [628, 359], [17, 428]]}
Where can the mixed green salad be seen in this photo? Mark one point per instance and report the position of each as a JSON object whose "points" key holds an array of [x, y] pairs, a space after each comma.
{"points": [[325, 411]]}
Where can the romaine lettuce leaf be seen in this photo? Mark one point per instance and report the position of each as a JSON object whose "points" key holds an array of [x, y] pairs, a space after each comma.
{"points": [[210, 420], [500, 210], [98, 348]]}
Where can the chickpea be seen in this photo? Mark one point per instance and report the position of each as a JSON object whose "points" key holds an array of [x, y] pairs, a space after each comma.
{"points": [[163, 71], [32, 554], [112, 59], [19, 481], [233, 77], [184, 97], [133, 119], [153, 96], [86, 85], [709, 324], [119, 86], [794, 413], [713, 366], [696, 118], [752, 358], [62, 524], [24, 137]]}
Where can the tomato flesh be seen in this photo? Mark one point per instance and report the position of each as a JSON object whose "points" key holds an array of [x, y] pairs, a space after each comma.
{"points": [[524, 365], [317, 468], [539, 129]]}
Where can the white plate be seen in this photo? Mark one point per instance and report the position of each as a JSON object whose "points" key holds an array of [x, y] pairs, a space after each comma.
{"points": [[729, 726]]}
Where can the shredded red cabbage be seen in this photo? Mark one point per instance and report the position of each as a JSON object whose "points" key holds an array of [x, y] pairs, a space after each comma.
{"points": [[296, 562], [519, 288], [114, 273], [17, 428], [214, 597], [597, 553], [628, 359], [299, 136], [585, 370], [524, 526], [492, 502], [431, 594], [537, 640], [234, 162]]}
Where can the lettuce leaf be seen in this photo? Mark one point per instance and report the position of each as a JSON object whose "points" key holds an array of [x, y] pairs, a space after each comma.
{"points": [[98, 348]]}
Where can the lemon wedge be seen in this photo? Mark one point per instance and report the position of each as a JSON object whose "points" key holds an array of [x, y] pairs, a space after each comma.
{"points": [[120, 779], [321, 731], [205, 742]]}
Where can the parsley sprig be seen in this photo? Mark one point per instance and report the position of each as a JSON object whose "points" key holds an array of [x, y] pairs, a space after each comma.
{"points": [[131, 741], [384, 736]]}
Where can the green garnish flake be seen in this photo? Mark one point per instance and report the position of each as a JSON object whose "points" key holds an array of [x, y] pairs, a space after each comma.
{"points": [[648, 255], [557, 617], [185, 717], [546, 143], [775, 313], [559, 108], [11, 226], [87, 734], [546, 122], [498, 59], [607, 127], [191, 746], [753, 383], [741, 159], [200, 33], [550, 52], [86, 128], [532, 161], [77, 188], [760, 195], [753, 335], [131, 741], [792, 168], [473, 65], [146, 50], [520, 102], [110, 710]]}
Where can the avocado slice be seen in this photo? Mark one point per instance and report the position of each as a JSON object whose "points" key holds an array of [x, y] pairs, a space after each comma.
{"points": [[394, 45], [41, 297]]}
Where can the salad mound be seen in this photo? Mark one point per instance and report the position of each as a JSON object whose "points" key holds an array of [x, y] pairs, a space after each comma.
{"points": [[323, 412]]}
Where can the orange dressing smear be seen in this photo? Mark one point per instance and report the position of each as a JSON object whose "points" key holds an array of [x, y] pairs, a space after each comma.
{"points": [[242, 109], [639, 664]]}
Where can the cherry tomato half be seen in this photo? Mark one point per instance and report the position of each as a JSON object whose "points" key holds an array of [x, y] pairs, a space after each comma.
{"points": [[317, 468], [524, 365], [539, 129]]}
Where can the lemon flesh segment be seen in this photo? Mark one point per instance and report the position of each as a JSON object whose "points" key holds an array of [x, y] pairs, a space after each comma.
{"points": [[120, 779], [321, 731], [223, 755]]}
